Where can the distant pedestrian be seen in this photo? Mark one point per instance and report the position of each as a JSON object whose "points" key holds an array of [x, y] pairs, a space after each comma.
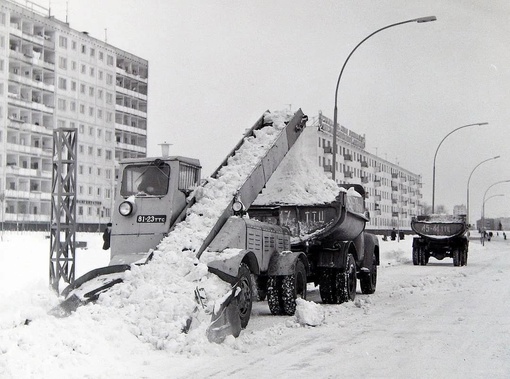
{"points": [[504, 235], [393, 234], [106, 236]]}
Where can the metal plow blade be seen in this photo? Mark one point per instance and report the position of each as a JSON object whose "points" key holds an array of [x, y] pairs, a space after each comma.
{"points": [[225, 320], [87, 288]]}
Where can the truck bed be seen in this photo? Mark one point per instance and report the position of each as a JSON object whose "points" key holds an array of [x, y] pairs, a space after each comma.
{"points": [[439, 227], [342, 219]]}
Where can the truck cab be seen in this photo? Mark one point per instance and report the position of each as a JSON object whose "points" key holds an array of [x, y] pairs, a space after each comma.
{"points": [[151, 194]]}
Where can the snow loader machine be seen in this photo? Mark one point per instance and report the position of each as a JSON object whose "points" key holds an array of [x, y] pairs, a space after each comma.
{"points": [[440, 236], [154, 195]]}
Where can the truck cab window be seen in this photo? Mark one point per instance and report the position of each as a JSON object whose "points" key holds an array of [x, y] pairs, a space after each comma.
{"points": [[144, 180]]}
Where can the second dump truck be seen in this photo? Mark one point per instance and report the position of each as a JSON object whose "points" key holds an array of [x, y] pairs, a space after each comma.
{"points": [[440, 236]]}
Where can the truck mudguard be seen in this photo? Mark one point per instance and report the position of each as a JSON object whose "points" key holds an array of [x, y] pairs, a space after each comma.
{"points": [[336, 258], [228, 269], [284, 263]]}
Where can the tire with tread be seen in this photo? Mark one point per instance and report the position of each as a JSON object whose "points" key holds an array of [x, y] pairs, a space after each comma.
{"points": [[283, 290], [368, 281], [347, 281], [245, 298], [456, 256]]}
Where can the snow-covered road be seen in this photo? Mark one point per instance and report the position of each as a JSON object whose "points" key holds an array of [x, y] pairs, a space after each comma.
{"points": [[434, 321]]}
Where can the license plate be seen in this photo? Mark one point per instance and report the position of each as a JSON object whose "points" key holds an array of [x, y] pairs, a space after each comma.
{"points": [[151, 219]]}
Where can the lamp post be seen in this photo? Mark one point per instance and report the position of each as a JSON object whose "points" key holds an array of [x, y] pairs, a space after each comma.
{"points": [[469, 179], [335, 118], [435, 156], [483, 207]]}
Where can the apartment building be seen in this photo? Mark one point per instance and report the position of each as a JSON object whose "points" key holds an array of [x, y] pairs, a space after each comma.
{"points": [[393, 193], [52, 76]]}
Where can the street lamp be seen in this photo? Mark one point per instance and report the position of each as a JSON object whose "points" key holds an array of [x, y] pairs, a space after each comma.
{"points": [[335, 118], [469, 179], [483, 207], [435, 155]]}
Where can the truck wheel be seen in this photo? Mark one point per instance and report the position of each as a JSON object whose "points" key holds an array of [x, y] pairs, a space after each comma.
{"points": [[245, 296], [423, 257], [464, 257], [368, 281], [293, 286], [282, 291], [416, 255], [274, 285], [346, 283], [327, 287], [456, 257]]}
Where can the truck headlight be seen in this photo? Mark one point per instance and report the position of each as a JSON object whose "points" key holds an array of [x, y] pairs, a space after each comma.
{"points": [[126, 208]]}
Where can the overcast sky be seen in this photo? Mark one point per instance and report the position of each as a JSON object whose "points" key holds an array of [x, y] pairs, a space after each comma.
{"points": [[216, 66]]}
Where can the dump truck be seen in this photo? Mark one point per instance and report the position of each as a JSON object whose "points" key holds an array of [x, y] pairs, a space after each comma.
{"points": [[337, 249], [155, 196], [440, 236]]}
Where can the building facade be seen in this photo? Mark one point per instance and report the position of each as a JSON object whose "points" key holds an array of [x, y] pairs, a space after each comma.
{"points": [[393, 193], [52, 76]]}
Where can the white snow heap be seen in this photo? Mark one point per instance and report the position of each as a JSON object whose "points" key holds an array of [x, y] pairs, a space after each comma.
{"points": [[157, 298], [299, 180], [309, 313]]}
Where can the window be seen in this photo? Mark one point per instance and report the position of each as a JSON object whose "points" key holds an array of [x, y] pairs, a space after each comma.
{"points": [[82, 109], [99, 152], [101, 56], [92, 71], [91, 131], [73, 45], [90, 150], [109, 117], [109, 98], [62, 42], [81, 149], [109, 79], [62, 63], [61, 104], [73, 65], [98, 171], [82, 128], [82, 88], [61, 123], [84, 49], [100, 75], [90, 169], [109, 60], [83, 69], [92, 52], [91, 111], [91, 91], [73, 85], [80, 171], [100, 113], [80, 208], [108, 155], [99, 132], [72, 106], [100, 94], [62, 83]]}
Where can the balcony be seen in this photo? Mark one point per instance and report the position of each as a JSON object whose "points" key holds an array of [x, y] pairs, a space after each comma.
{"points": [[377, 183], [328, 168], [348, 174], [364, 164], [394, 175], [394, 188], [328, 150], [364, 179], [348, 157]]}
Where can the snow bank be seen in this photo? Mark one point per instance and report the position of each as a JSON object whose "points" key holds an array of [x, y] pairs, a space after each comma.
{"points": [[298, 180]]}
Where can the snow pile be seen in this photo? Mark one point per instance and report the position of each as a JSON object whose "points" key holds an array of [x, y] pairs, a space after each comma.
{"points": [[309, 313], [298, 180], [157, 299]]}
